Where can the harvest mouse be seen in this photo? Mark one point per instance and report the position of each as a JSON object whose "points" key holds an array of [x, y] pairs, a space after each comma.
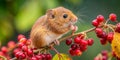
{"points": [[50, 27]]}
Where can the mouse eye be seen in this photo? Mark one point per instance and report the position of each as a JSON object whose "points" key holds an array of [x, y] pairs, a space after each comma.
{"points": [[65, 16], [53, 16]]}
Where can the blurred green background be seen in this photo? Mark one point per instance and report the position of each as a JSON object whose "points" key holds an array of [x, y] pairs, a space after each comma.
{"points": [[18, 16]]}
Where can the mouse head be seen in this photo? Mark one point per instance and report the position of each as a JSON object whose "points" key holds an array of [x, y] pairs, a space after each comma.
{"points": [[60, 17]]}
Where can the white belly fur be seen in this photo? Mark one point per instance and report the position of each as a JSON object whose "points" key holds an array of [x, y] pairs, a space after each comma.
{"points": [[49, 38]]}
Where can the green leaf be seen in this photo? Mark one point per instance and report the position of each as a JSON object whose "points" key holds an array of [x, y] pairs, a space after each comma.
{"points": [[61, 56]]}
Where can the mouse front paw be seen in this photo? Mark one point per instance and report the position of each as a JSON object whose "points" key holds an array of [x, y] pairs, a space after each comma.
{"points": [[74, 28]]}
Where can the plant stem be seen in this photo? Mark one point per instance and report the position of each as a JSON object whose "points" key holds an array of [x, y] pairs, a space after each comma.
{"points": [[64, 38], [14, 58], [4, 58]]}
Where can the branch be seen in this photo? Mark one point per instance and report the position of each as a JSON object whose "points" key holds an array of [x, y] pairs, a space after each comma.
{"points": [[64, 38], [4, 58], [14, 58]]}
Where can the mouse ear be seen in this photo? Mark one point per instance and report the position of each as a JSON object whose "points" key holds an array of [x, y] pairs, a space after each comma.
{"points": [[51, 14]]}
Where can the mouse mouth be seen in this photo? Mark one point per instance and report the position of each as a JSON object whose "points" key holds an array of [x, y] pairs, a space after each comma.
{"points": [[70, 23]]}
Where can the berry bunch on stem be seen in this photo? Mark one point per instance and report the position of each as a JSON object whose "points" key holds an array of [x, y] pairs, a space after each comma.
{"points": [[103, 30], [79, 45], [78, 42]]}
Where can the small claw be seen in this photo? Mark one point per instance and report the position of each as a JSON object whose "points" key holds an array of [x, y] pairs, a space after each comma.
{"points": [[75, 28], [71, 27], [57, 42], [52, 48]]}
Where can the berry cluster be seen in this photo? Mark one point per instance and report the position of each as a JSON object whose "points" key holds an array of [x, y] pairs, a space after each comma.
{"points": [[104, 37], [100, 20], [102, 56], [106, 32], [5, 49], [101, 28], [25, 52], [79, 45], [30, 56], [22, 50], [96, 22]]}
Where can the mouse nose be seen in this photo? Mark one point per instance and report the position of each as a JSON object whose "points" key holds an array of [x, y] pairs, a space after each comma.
{"points": [[75, 19]]}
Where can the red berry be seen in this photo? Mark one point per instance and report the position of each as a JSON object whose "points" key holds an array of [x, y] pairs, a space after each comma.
{"points": [[83, 45], [11, 44], [103, 41], [110, 37], [74, 46], [22, 55], [78, 52], [100, 18], [83, 48], [1, 53], [90, 42], [30, 52], [68, 41], [48, 56], [112, 17], [117, 27], [25, 48], [95, 23], [43, 56], [20, 36], [81, 36], [4, 49], [77, 40], [72, 52], [83, 42], [28, 42], [39, 57], [16, 50], [34, 58], [19, 54], [23, 40], [104, 53], [20, 45], [102, 35], [98, 31]]}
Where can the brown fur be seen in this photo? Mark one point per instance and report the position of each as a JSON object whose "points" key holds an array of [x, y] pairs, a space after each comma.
{"points": [[48, 24]]}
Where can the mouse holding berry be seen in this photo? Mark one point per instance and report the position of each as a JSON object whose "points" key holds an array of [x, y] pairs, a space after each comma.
{"points": [[53, 25]]}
